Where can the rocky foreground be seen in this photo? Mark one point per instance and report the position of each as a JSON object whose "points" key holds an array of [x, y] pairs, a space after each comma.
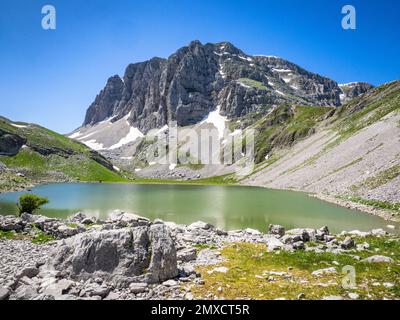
{"points": [[131, 257]]}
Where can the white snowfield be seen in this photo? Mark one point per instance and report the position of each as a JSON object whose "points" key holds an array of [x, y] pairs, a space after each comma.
{"points": [[350, 84], [282, 70], [93, 144], [218, 121], [133, 135], [108, 135], [18, 125]]}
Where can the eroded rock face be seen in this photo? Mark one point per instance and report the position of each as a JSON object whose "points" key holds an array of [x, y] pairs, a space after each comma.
{"points": [[199, 77], [352, 90], [139, 254], [10, 143]]}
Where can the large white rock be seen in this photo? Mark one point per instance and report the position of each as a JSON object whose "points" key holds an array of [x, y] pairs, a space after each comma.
{"points": [[274, 244], [321, 272], [378, 259], [139, 254]]}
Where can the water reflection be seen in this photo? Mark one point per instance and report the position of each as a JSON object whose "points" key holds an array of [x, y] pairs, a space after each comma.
{"points": [[225, 207]]}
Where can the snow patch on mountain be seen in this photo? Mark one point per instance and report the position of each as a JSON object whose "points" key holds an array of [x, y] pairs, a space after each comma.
{"points": [[217, 120], [132, 136]]}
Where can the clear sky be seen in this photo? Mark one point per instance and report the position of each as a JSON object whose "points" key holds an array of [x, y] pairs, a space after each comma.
{"points": [[51, 77]]}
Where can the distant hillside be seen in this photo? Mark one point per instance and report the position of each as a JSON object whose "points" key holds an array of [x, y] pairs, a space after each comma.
{"points": [[352, 152], [30, 153]]}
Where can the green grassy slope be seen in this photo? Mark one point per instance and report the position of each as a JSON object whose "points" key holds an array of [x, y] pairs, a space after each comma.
{"points": [[47, 155], [286, 125]]}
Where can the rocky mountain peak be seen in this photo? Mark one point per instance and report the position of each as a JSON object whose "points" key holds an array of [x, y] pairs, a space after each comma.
{"points": [[199, 78], [106, 101], [353, 89]]}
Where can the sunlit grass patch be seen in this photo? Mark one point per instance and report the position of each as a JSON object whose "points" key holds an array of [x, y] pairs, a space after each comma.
{"points": [[253, 273]]}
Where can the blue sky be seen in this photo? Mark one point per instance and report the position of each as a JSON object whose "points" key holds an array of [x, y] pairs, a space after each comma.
{"points": [[51, 77]]}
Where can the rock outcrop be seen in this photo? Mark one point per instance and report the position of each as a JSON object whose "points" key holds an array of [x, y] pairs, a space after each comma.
{"points": [[353, 90], [10, 143], [139, 254], [130, 257]]}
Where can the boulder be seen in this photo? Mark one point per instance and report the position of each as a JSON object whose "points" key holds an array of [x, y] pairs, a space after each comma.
{"points": [[78, 217], [57, 288], [163, 264], [4, 293], [379, 232], [252, 232], [306, 234], [332, 298], [299, 245], [357, 233], [170, 283], [142, 254], [378, 259], [124, 219], [136, 288], [200, 225], [208, 257], [11, 223], [64, 231], [186, 255], [321, 272], [274, 244], [218, 270], [347, 243], [188, 270], [25, 292], [96, 290], [88, 221], [322, 233], [287, 239], [276, 229], [29, 272]]}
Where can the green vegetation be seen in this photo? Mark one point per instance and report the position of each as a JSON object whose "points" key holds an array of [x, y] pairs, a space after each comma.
{"points": [[50, 156], [253, 273], [41, 237], [10, 235], [72, 225], [374, 203], [202, 246], [253, 83], [228, 179], [346, 166], [368, 109], [10, 181], [284, 126], [382, 177], [30, 203]]}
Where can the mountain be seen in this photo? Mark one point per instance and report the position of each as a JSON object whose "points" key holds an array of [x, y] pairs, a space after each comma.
{"points": [[196, 80], [353, 90], [351, 152], [30, 154]]}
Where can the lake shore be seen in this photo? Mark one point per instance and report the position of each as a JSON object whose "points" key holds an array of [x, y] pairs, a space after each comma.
{"points": [[385, 214], [42, 261]]}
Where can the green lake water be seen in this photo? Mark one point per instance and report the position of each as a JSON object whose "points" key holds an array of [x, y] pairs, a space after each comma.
{"points": [[225, 207]]}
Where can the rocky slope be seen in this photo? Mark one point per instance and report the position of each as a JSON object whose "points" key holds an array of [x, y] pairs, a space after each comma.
{"points": [[194, 81], [30, 153], [130, 257], [350, 151]]}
